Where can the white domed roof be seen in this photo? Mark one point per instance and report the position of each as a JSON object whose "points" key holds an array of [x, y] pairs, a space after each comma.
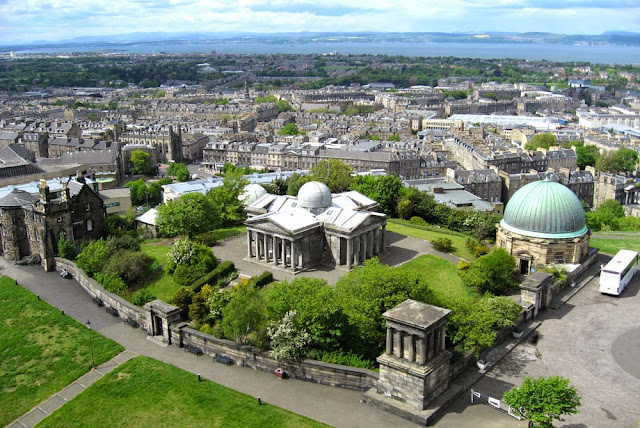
{"points": [[314, 195], [251, 193]]}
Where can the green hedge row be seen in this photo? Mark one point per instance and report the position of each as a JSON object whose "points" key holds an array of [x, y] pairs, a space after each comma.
{"points": [[223, 269], [263, 279]]}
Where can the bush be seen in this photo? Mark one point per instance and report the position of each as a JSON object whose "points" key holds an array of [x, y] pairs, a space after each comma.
{"points": [[442, 244], [143, 297], [113, 284], [131, 266], [182, 299], [208, 238], [66, 249], [191, 255], [263, 279], [125, 242], [418, 220], [224, 269], [345, 359], [185, 275]]}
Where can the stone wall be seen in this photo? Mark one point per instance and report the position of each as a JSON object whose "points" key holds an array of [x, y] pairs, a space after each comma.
{"points": [[247, 356], [126, 310]]}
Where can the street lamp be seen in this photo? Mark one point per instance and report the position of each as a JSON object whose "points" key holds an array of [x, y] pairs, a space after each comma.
{"points": [[90, 344]]}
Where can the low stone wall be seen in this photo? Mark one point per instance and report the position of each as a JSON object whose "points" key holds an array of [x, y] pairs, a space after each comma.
{"points": [[586, 264], [126, 310], [181, 335], [249, 356]]}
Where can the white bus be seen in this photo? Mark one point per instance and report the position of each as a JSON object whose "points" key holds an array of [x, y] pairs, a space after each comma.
{"points": [[615, 276]]}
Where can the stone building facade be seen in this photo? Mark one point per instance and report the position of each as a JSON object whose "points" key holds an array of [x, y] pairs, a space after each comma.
{"points": [[33, 224], [314, 228], [543, 224]]}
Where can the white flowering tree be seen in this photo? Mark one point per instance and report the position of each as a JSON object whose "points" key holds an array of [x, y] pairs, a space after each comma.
{"points": [[287, 341]]}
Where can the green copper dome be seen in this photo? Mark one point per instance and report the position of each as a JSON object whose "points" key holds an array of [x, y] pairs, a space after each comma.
{"points": [[545, 209]]}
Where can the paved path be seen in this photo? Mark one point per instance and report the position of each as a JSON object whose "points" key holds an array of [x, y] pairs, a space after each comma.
{"points": [[53, 403]]}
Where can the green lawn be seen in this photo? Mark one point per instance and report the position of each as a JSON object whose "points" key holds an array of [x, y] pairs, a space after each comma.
{"points": [[612, 245], [42, 351], [160, 283], [442, 276], [146, 392], [459, 242], [228, 232]]}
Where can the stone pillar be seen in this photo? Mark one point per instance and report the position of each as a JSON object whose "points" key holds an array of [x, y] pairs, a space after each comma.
{"points": [[349, 249], [365, 247], [443, 334], [371, 243], [275, 250], [436, 341], [294, 262], [423, 351], [430, 346], [249, 243], [389, 349], [399, 338], [384, 229], [264, 247], [356, 251], [376, 244], [283, 252], [412, 349]]}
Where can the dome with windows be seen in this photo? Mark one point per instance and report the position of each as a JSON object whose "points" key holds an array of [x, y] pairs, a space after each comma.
{"points": [[251, 193], [545, 209], [314, 195]]}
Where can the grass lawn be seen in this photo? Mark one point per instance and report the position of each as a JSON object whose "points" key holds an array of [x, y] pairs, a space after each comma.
{"points": [[459, 243], [146, 392], [42, 351], [442, 276], [160, 283], [613, 245], [228, 232]]}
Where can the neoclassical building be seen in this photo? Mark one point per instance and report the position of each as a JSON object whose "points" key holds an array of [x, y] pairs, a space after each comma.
{"points": [[314, 228], [544, 223]]}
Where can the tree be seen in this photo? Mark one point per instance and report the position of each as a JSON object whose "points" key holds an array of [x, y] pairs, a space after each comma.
{"points": [[544, 140], [627, 159], [587, 156], [227, 197], [182, 299], [334, 173], [138, 191], [244, 315], [66, 249], [93, 257], [384, 189], [131, 266], [141, 162], [192, 214], [290, 129], [609, 214], [179, 171], [542, 400], [492, 272], [295, 182], [288, 342], [607, 162]]}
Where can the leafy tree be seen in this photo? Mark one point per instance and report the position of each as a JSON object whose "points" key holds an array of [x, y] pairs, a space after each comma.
{"points": [[118, 224], [179, 171], [217, 302], [544, 140], [317, 307], [190, 215], [141, 162], [607, 162], [587, 156], [131, 266], [385, 189], [66, 249], [244, 315], [295, 182], [290, 129], [288, 342], [609, 214], [142, 297], [227, 197], [543, 400], [112, 105], [627, 159], [492, 272], [370, 290], [118, 243], [138, 191], [198, 309], [93, 257], [334, 173]]}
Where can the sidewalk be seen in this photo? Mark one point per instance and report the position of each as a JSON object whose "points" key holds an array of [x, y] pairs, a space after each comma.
{"points": [[53, 403]]}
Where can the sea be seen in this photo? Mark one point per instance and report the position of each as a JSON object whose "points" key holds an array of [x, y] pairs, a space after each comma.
{"points": [[613, 54]]}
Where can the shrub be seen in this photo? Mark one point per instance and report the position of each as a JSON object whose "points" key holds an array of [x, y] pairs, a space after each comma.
{"points": [[287, 341], [198, 309], [185, 275], [131, 266], [418, 220], [208, 238], [343, 358], [224, 269], [442, 244], [113, 284], [182, 299], [263, 279], [217, 302], [66, 249], [125, 242], [143, 297]]}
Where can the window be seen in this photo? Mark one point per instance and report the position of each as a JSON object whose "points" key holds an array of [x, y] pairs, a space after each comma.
{"points": [[559, 257], [88, 207], [89, 225], [59, 219]]}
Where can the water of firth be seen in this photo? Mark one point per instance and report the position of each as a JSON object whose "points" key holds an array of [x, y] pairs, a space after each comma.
{"points": [[553, 52]]}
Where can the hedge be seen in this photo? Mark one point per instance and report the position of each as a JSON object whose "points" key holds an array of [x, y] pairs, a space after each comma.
{"points": [[263, 279], [223, 269]]}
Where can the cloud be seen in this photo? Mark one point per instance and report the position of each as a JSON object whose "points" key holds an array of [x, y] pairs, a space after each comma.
{"points": [[60, 19]]}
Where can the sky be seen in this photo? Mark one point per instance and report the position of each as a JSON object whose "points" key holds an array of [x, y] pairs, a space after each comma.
{"points": [[25, 21]]}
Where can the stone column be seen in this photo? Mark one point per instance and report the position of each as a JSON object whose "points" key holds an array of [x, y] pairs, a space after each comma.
{"points": [[375, 241], [283, 252], [349, 249], [365, 247], [384, 229], [264, 247], [371, 243], [436, 341], [389, 349], [294, 262], [412, 348], [430, 345], [423, 350], [249, 243], [275, 250], [399, 351], [442, 337]]}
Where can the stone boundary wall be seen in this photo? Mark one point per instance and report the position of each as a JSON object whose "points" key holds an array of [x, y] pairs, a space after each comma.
{"points": [[586, 264], [247, 356], [126, 310]]}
